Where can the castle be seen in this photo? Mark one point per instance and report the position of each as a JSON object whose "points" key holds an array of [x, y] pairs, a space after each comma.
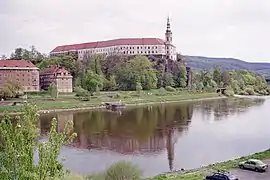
{"points": [[125, 46]]}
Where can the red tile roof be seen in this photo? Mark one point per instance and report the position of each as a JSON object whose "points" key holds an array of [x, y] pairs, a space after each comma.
{"points": [[16, 63], [114, 42], [54, 69]]}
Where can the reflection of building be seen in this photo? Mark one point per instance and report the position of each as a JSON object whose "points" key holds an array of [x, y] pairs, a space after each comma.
{"points": [[147, 131], [126, 46], [20, 71], [57, 75]]}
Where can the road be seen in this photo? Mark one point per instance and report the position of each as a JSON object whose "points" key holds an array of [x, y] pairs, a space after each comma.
{"points": [[251, 175]]}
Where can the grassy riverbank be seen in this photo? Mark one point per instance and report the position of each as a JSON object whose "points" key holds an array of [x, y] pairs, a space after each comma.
{"points": [[70, 101], [200, 173]]}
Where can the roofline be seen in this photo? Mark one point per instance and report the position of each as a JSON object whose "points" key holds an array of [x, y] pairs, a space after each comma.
{"points": [[117, 39]]}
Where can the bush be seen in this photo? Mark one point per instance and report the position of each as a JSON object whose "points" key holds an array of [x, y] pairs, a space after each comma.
{"points": [[249, 91], [170, 89], [243, 93], [123, 170], [229, 93], [161, 92], [80, 92]]}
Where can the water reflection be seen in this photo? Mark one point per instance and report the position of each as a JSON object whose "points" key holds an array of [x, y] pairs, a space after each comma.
{"points": [[147, 131], [221, 109], [137, 131]]}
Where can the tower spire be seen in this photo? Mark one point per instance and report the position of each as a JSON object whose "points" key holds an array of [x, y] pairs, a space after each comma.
{"points": [[168, 24]]}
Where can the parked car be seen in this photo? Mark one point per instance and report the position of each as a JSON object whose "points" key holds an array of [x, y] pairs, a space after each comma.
{"points": [[221, 176], [253, 164]]}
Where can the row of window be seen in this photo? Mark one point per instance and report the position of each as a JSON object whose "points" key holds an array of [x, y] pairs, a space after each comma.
{"points": [[140, 52], [117, 48]]}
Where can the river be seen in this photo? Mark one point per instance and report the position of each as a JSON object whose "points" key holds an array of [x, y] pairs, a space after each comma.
{"points": [[161, 138]]}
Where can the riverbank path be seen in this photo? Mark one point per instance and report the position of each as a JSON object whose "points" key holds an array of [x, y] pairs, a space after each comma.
{"points": [[251, 175]]}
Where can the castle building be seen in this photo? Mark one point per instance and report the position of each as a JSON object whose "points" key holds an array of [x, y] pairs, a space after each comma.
{"points": [[22, 72], [57, 75], [124, 46]]}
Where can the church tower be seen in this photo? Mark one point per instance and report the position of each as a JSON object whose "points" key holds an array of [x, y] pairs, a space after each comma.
{"points": [[168, 41]]}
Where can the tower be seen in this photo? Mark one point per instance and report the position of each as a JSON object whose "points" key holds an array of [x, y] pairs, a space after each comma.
{"points": [[168, 41]]}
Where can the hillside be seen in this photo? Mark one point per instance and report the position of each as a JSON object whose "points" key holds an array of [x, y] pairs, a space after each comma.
{"points": [[198, 63]]}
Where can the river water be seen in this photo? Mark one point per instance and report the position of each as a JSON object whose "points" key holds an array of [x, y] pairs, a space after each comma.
{"points": [[161, 138]]}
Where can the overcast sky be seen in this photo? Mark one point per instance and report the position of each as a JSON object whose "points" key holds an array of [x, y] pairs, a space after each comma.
{"points": [[216, 28]]}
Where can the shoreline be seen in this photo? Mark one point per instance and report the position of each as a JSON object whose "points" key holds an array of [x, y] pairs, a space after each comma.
{"points": [[199, 173], [96, 107]]}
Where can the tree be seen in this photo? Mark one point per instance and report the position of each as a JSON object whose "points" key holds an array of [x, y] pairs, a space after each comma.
{"points": [[112, 83], [3, 57], [32, 55], [181, 79], [53, 90], [92, 81], [138, 87], [18, 54], [168, 80], [19, 141], [138, 69], [68, 62], [225, 78], [217, 75], [11, 89]]}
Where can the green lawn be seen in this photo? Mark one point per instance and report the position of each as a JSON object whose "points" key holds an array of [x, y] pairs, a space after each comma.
{"points": [[70, 101], [199, 174]]}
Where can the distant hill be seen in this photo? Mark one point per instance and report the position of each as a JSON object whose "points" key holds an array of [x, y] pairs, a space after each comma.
{"points": [[198, 63]]}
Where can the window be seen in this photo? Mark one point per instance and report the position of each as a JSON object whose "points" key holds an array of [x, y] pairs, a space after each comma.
{"points": [[138, 47]]}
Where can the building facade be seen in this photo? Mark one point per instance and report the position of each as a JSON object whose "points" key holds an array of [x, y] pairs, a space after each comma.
{"points": [[57, 75], [125, 46], [20, 71]]}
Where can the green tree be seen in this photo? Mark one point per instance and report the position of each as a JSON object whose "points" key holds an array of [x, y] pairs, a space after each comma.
{"points": [[138, 69], [168, 80], [138, 87], [68, 62], [181, 78], [111, 83], [92, 81], [53, 90], [11, 89], [217, 75], [19, 142], [17, 54]]}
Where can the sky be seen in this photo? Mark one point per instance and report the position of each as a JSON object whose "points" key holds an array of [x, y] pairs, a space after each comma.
{"points": [[213, 28]]}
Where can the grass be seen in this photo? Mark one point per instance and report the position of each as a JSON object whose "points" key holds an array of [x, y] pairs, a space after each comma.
{"points": [[70, 101], [199, 174]]}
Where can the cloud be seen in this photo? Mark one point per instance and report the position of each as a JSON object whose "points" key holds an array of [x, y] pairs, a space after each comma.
{"points": [[224, 28]]}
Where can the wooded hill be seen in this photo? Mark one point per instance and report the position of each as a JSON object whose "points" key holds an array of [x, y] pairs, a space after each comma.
{"points": [[198, 63]]}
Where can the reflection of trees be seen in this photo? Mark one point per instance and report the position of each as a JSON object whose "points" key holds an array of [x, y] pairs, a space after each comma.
{"points": [[224, 107], [138, 130]]}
